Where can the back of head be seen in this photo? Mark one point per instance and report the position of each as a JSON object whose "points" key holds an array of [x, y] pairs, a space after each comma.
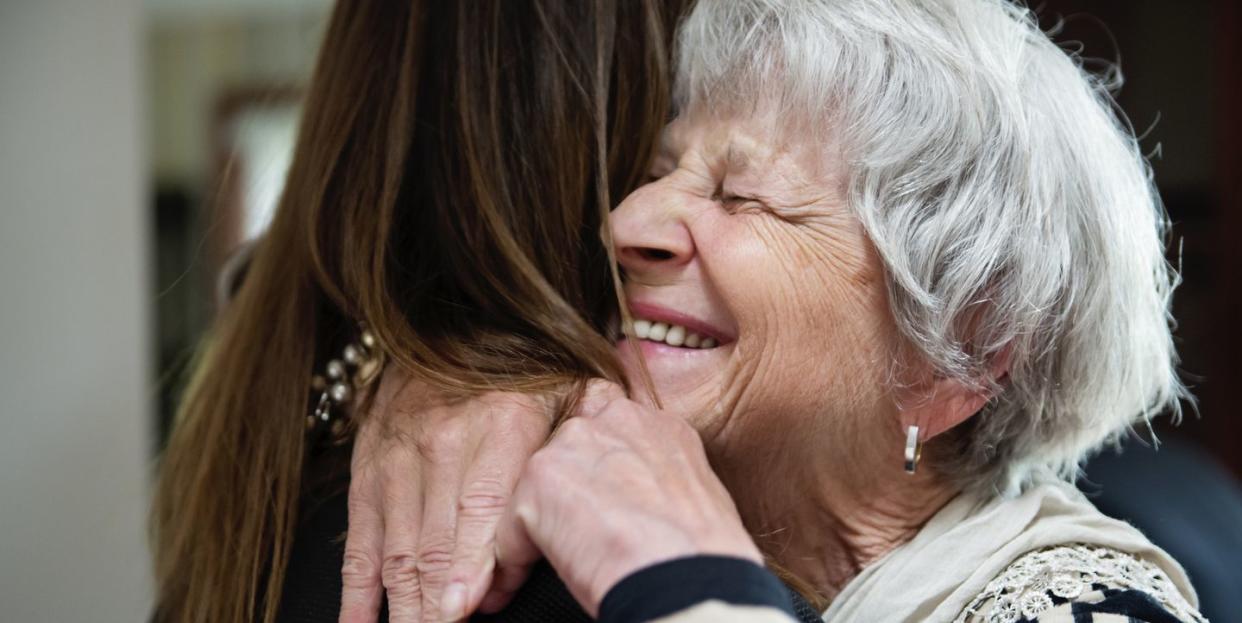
{"points": [[453, 167]]}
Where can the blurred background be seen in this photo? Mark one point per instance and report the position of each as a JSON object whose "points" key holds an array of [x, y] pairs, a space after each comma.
{"points": [[143, 140]]}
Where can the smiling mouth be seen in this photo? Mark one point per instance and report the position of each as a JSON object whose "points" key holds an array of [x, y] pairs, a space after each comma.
{"points": [[669, 328], [670, 334]]}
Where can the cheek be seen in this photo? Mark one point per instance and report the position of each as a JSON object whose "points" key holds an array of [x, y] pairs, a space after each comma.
{"points": [[814, 328]]}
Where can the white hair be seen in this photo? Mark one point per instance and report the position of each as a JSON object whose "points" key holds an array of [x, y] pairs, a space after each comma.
{"points": [[1007, 198]]}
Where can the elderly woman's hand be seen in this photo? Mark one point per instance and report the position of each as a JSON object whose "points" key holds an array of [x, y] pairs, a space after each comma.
{"points": [[430, 480], [619, 488]]}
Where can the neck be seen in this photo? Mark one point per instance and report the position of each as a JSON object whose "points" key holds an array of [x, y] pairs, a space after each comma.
{"points": [[825, 530]]}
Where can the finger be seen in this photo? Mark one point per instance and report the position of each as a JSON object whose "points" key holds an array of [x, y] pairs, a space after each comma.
{"points": [[401, 483], [505, 584], [442, 481], [486, 492], [361, 589]]}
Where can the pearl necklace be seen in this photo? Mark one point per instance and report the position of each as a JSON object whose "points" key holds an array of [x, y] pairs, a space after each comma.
{"points": [[358, 365]]}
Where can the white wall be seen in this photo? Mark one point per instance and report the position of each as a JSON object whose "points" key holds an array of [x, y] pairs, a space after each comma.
{"points": [[75, 392]]}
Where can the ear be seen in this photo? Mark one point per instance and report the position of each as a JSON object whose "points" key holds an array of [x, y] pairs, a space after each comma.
{"points": [[946, 404], [943, 403]]}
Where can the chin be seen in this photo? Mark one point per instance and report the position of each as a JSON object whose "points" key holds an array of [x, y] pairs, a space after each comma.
{"points": [[686, 381]]}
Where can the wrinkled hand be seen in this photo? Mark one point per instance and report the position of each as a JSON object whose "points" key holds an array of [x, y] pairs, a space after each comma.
{"points": [[619, 488], [431, 478]]}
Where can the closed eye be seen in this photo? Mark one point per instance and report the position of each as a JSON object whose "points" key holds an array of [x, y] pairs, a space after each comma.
{"points": [[738, 203]]}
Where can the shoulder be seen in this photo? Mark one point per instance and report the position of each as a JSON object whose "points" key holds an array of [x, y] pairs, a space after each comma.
{"points": [[1080, 583]]}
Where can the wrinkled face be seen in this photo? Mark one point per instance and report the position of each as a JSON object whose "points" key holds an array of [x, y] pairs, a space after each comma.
{"points": [[759, 302]]}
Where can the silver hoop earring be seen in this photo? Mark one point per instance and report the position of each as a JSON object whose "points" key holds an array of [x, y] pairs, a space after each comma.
{"points": [[914, 449]]}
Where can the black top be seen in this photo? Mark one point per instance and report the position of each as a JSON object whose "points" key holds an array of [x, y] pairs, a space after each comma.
{"points": [[312, 589]]}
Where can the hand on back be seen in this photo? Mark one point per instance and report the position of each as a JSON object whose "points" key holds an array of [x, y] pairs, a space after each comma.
{"points": [[431, 477], [448, 509]]}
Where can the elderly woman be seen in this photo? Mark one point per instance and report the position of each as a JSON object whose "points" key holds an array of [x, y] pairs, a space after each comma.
{"points": [[900, 267]]}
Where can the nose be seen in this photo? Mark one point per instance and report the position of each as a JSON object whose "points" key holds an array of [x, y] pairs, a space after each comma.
{"points": [[650, 233]]}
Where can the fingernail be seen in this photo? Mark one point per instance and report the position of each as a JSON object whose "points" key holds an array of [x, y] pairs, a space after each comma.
{"points": [[453, 602]]}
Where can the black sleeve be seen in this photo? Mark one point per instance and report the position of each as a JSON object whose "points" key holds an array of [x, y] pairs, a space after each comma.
{"points": [[668, 587]]}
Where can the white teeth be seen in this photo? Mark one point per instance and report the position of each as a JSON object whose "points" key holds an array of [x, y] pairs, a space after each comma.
{"points": [[676, 335], [658, 332], [642, 328], [671, 334]]}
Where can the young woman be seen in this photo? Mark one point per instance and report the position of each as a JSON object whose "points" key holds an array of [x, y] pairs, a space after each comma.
{"points": [[453, 168]]}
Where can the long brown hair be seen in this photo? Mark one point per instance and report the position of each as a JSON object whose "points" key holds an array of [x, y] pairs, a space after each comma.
{"points": [[453, 168]]}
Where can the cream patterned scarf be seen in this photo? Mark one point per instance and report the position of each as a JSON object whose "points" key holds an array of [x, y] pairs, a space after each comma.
{"points": [[956, 558]]}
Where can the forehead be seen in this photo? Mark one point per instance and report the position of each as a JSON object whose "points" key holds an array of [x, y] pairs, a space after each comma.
{"points": [[754, 144], [737, 140]]}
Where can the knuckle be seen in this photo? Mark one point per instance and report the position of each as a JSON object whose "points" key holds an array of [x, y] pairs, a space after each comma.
{"points": [[399, 572], [575, 428], [435, 554], [526, 508], [485, 497], [442, 443], [601, 392], [602, 403], [358, 569]]}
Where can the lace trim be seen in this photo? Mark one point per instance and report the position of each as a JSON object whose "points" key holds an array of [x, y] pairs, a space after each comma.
{"points": [[1067, 571]]}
